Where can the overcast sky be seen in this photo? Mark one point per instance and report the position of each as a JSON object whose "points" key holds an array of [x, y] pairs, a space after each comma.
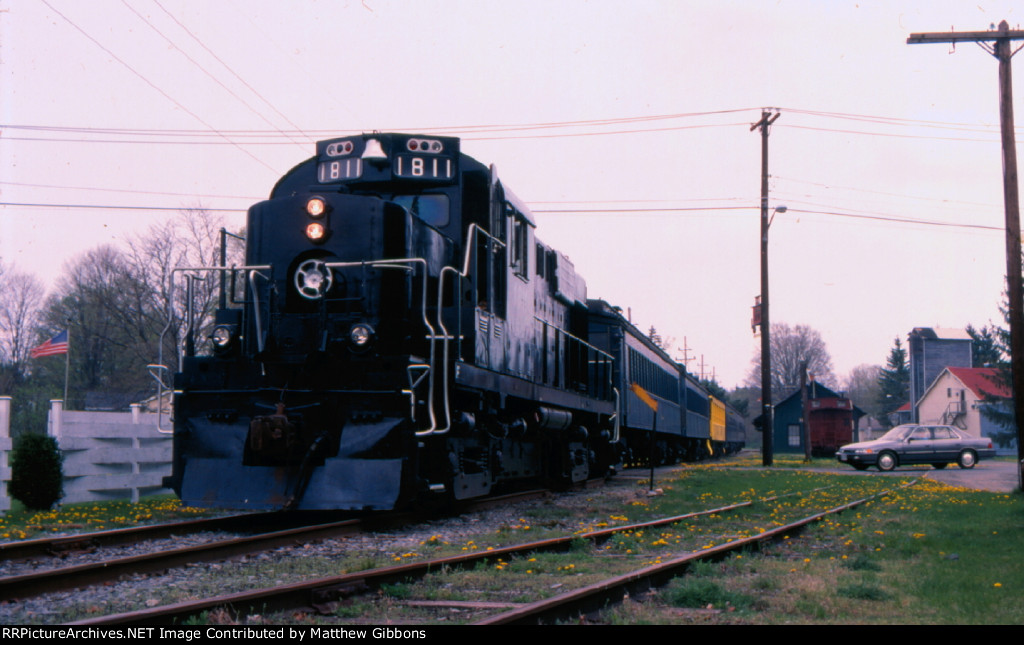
{"points": [[637, 113]]}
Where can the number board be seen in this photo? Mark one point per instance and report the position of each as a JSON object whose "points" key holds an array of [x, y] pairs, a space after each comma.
{"points": [[430, 167], [340, 170]]}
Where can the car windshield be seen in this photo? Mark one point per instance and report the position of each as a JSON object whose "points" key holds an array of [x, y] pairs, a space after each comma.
{"points": [[897, 433]]}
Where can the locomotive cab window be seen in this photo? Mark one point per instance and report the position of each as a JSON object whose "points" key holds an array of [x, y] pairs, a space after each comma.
{"points": [[432, 209], [518, 243]]}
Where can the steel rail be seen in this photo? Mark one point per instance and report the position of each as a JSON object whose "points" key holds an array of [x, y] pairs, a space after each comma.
{"points": [[60, 578], [599, 595], [328, 589], [58, 544]]}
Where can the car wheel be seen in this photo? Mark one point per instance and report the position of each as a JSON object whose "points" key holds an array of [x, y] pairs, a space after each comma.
{"points": [[939, 466], [967, 459], [886, 461]]}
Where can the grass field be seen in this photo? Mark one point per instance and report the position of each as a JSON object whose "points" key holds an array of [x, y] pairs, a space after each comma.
{"points": [[926, 553], [22, 524]]}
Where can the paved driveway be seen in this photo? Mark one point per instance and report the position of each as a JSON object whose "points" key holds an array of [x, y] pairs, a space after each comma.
{"points": [[997, 476]]}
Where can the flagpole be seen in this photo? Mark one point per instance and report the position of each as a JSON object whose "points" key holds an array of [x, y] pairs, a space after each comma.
{"points": [[67, 369]]}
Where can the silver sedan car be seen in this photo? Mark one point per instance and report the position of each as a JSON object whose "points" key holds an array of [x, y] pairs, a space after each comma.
{"points": [[918, 444]]}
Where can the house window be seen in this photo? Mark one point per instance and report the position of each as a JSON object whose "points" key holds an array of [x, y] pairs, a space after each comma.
{"points": [[794, 435]]}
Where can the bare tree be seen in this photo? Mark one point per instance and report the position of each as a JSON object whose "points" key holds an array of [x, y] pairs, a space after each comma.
{"points": [[115, 303], [791, 348], [863, 388], [21, 296], [191, 239]]}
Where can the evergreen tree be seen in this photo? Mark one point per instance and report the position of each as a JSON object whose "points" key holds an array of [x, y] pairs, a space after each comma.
{"points": [[986, 349], [894, 382]]}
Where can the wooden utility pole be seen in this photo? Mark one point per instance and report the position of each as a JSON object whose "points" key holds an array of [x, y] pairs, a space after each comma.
{"points": [[998, 44], [805, 399], [767, 447]]}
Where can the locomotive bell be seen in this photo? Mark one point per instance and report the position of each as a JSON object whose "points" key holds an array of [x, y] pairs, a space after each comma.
{"points": [[374, 152]]}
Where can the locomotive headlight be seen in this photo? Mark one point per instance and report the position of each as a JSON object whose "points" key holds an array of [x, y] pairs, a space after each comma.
{"points": [[361, 334], [316, 207], [316, 232]]}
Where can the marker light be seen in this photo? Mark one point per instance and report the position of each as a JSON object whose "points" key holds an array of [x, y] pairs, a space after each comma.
{"points": [[316, 207], [339, 149], [424, 145]]}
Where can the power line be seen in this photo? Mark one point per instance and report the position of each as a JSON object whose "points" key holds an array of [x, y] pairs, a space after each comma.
{"points": [[198, 65], [128, 191], [882, 193], [125, 208], [229, 69], [151, 84], [889, 134], [898, 220], [892, 219], [496, 128], [267, 137]]}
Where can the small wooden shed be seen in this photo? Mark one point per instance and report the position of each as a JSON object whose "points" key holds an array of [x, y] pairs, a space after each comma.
{"points": [[832, 419]]}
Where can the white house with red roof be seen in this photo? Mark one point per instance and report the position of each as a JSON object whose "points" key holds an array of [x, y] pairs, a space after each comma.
{"points": [[957, 396]]}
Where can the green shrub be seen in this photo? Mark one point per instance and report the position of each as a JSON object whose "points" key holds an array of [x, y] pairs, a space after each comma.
{"points": [[37, 479]]}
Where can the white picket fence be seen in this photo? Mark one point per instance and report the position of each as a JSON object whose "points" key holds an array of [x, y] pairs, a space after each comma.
{"points": [[107, 455]]}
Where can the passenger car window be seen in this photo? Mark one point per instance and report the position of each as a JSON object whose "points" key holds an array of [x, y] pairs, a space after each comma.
{"points": [[921, 433]]}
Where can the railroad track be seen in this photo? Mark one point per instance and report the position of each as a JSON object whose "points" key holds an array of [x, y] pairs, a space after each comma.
{"points": [[60, 545], [323, 591], [324, 594], [598, 596], [264, 535]]}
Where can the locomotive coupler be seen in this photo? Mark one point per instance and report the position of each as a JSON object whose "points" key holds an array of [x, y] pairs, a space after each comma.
{"points": [[273, 435]]}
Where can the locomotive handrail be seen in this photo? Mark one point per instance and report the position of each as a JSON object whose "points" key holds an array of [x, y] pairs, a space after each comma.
{"points": [[256, 307], [575, 338], [170, 319], [616, 427], [153, 371], [473, 229], [414, 382], [604, 357], [400, 264], [170, 297]]}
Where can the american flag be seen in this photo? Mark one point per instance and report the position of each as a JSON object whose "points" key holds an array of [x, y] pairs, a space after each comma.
{"points": [[56, 345]]}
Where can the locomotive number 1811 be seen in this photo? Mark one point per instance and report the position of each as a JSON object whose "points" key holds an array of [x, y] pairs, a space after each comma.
{"points": [[340, 170], [414, 167]]}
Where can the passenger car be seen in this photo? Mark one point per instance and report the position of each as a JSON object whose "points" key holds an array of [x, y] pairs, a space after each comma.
{"points": [[917, 444]]}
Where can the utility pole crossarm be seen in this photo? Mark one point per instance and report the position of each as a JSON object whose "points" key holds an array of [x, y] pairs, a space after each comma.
{"points": [[964, 36]]}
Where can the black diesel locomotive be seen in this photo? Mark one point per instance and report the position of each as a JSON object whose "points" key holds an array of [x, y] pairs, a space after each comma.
{"points": [[398, 333]]}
